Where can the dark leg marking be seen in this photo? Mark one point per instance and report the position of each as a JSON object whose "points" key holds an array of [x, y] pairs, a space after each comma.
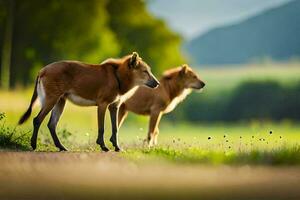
{"points": [[52, 124]]}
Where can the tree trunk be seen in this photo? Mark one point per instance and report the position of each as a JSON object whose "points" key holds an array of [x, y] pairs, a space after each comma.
{"points": [[7, 46]]}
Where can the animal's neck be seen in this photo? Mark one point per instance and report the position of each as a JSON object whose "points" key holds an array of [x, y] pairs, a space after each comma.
{"points": [[172, 87], [125, 81]]}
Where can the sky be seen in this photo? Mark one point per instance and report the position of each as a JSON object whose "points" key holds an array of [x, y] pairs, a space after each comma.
{"points": [[191, 18]]}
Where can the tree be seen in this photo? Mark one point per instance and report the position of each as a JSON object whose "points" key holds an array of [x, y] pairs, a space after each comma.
{"points": [[49, 30], [7, 43], [45, 31], [137, 30]]}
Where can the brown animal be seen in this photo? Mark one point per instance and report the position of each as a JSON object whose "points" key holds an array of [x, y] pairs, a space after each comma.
{"points": [[103, 85], [175, 85]]}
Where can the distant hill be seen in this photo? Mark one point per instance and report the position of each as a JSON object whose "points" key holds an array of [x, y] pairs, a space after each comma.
{"points": [[273, 34]]}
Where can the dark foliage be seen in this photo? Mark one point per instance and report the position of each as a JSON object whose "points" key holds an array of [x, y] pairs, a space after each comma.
{"points": [[251, 100]]}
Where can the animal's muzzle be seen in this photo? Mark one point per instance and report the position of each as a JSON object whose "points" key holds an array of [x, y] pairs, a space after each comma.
{"points": [[202, 84], [199, 85], [152, 83]]}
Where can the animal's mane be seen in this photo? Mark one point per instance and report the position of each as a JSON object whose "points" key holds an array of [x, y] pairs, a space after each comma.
{"points": [[171, 84], [115, 61], [170, 72]]}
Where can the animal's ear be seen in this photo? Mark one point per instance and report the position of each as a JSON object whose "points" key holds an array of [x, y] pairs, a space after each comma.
{"points": [[133, 60], [184, 69]]}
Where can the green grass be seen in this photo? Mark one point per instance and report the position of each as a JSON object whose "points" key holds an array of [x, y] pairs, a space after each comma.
{"points": [[278, 156], [249, 143], [10, 138], [205, 144]]}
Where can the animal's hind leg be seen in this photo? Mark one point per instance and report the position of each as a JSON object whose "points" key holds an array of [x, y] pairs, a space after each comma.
{"points": [[55, 115], [101, 116], [47, 106]]}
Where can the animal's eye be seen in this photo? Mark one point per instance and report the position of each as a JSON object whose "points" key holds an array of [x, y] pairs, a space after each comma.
{"points": [[145, 71]]}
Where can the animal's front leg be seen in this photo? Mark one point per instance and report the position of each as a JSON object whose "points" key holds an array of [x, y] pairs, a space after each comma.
{"points": [[114, 109], [101, 117], [153, 128]]}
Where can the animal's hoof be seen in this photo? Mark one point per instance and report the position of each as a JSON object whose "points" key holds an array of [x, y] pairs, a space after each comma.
{"points": [[62, 149], [33, 146], [104, 148], [150, 143], [118, 149], [146, 142], [113, 141]]}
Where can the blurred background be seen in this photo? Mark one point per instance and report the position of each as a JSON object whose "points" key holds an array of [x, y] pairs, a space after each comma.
{"points": [[238, 139], [248, 52]]}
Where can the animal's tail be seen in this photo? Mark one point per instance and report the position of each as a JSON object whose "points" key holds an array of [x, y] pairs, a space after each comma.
{"points": [[27, 114]]}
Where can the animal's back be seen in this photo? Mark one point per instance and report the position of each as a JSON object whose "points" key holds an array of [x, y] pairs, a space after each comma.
{"points": [[76, 77], [68, 69]]}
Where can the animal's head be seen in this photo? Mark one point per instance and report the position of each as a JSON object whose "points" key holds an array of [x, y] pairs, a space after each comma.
{"points": [[189, 78], [141, 71]]}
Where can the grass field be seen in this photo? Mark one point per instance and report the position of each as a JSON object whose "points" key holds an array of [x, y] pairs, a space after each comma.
{"points": [[247, 160], [227, 78]]}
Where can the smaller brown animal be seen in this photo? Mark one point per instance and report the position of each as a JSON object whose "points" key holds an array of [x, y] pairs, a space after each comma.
{"points": [[175, 85], [104, 85]]}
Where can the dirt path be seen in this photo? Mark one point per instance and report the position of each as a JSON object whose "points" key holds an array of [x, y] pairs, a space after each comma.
{"points": [[27, 175]]}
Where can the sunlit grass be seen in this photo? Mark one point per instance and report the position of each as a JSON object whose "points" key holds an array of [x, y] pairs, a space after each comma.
{"points": [[278, 156], [249, 143], [207, 144]]}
